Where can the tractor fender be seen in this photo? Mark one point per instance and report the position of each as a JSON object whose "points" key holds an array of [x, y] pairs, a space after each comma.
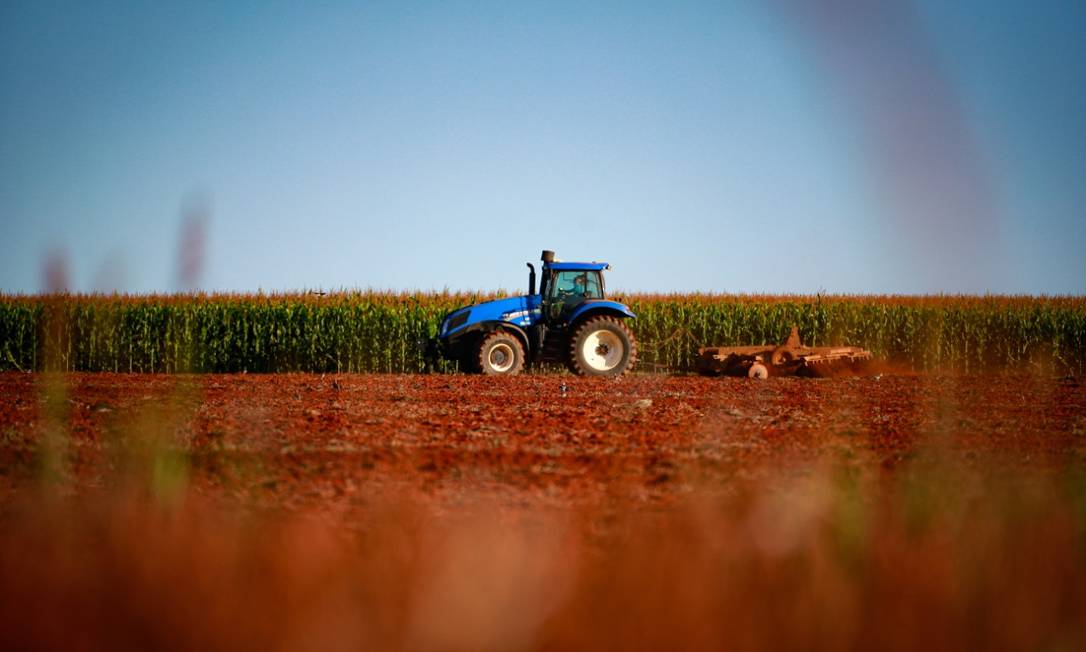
{"points": [[600, 307], [484, 327]]}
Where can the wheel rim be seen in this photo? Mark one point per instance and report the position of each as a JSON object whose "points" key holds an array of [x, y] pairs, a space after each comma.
{"points": [[602, 350], [501, 357]]}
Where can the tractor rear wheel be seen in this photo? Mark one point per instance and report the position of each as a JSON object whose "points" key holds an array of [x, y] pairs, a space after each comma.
{"points": [[602, 346], [499, 354]]}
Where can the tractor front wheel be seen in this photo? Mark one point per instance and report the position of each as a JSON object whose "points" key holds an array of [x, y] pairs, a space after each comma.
{"points": [[499, 354], [602, 346]]}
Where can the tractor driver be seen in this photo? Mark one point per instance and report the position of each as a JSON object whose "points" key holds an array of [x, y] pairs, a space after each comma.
{"points": [[572, 286], [580, 284], [571, 291]]}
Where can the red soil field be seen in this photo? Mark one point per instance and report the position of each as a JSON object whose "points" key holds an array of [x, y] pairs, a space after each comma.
{"points": [[541, 512]]}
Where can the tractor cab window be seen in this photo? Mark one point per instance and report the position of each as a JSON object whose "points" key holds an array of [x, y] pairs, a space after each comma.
{"points": [[570, 288], [580, 285]]}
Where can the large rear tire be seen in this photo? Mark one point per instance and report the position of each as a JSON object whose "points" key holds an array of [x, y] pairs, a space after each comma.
{"points": [[499, 354], [602, 346]]}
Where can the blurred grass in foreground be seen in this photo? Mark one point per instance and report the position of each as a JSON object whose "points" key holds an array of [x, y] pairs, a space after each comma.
{"points": [[826, 561], [946, 549], [943, 551]]}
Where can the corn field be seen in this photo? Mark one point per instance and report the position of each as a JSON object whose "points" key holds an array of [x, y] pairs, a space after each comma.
{"points": [[377, 331]]}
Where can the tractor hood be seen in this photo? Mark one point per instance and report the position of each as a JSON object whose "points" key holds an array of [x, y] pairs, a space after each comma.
{"points": [[521, 311]]}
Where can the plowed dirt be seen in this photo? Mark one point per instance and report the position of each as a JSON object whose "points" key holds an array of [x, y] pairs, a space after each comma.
{"points": [[335, 442], [542, 512]]}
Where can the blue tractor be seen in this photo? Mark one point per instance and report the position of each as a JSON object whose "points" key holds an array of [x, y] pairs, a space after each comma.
{"points": [[570, 321]]}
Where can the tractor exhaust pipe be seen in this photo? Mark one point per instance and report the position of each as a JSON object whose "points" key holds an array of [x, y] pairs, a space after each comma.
{"points": [[531, 279]]}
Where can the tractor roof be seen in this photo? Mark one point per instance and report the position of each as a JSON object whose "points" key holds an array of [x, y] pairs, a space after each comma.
{"points": [[579, 266]]}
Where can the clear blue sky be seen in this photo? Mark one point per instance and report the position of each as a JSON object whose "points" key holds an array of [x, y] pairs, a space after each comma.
{"points": [[738, 146]]}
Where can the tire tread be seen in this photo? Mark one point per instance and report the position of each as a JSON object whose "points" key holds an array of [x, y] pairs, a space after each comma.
{"points": [[573, 360], [479, 359]]}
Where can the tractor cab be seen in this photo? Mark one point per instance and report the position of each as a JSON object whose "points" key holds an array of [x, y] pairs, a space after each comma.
{"points": [[566, 286]]}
